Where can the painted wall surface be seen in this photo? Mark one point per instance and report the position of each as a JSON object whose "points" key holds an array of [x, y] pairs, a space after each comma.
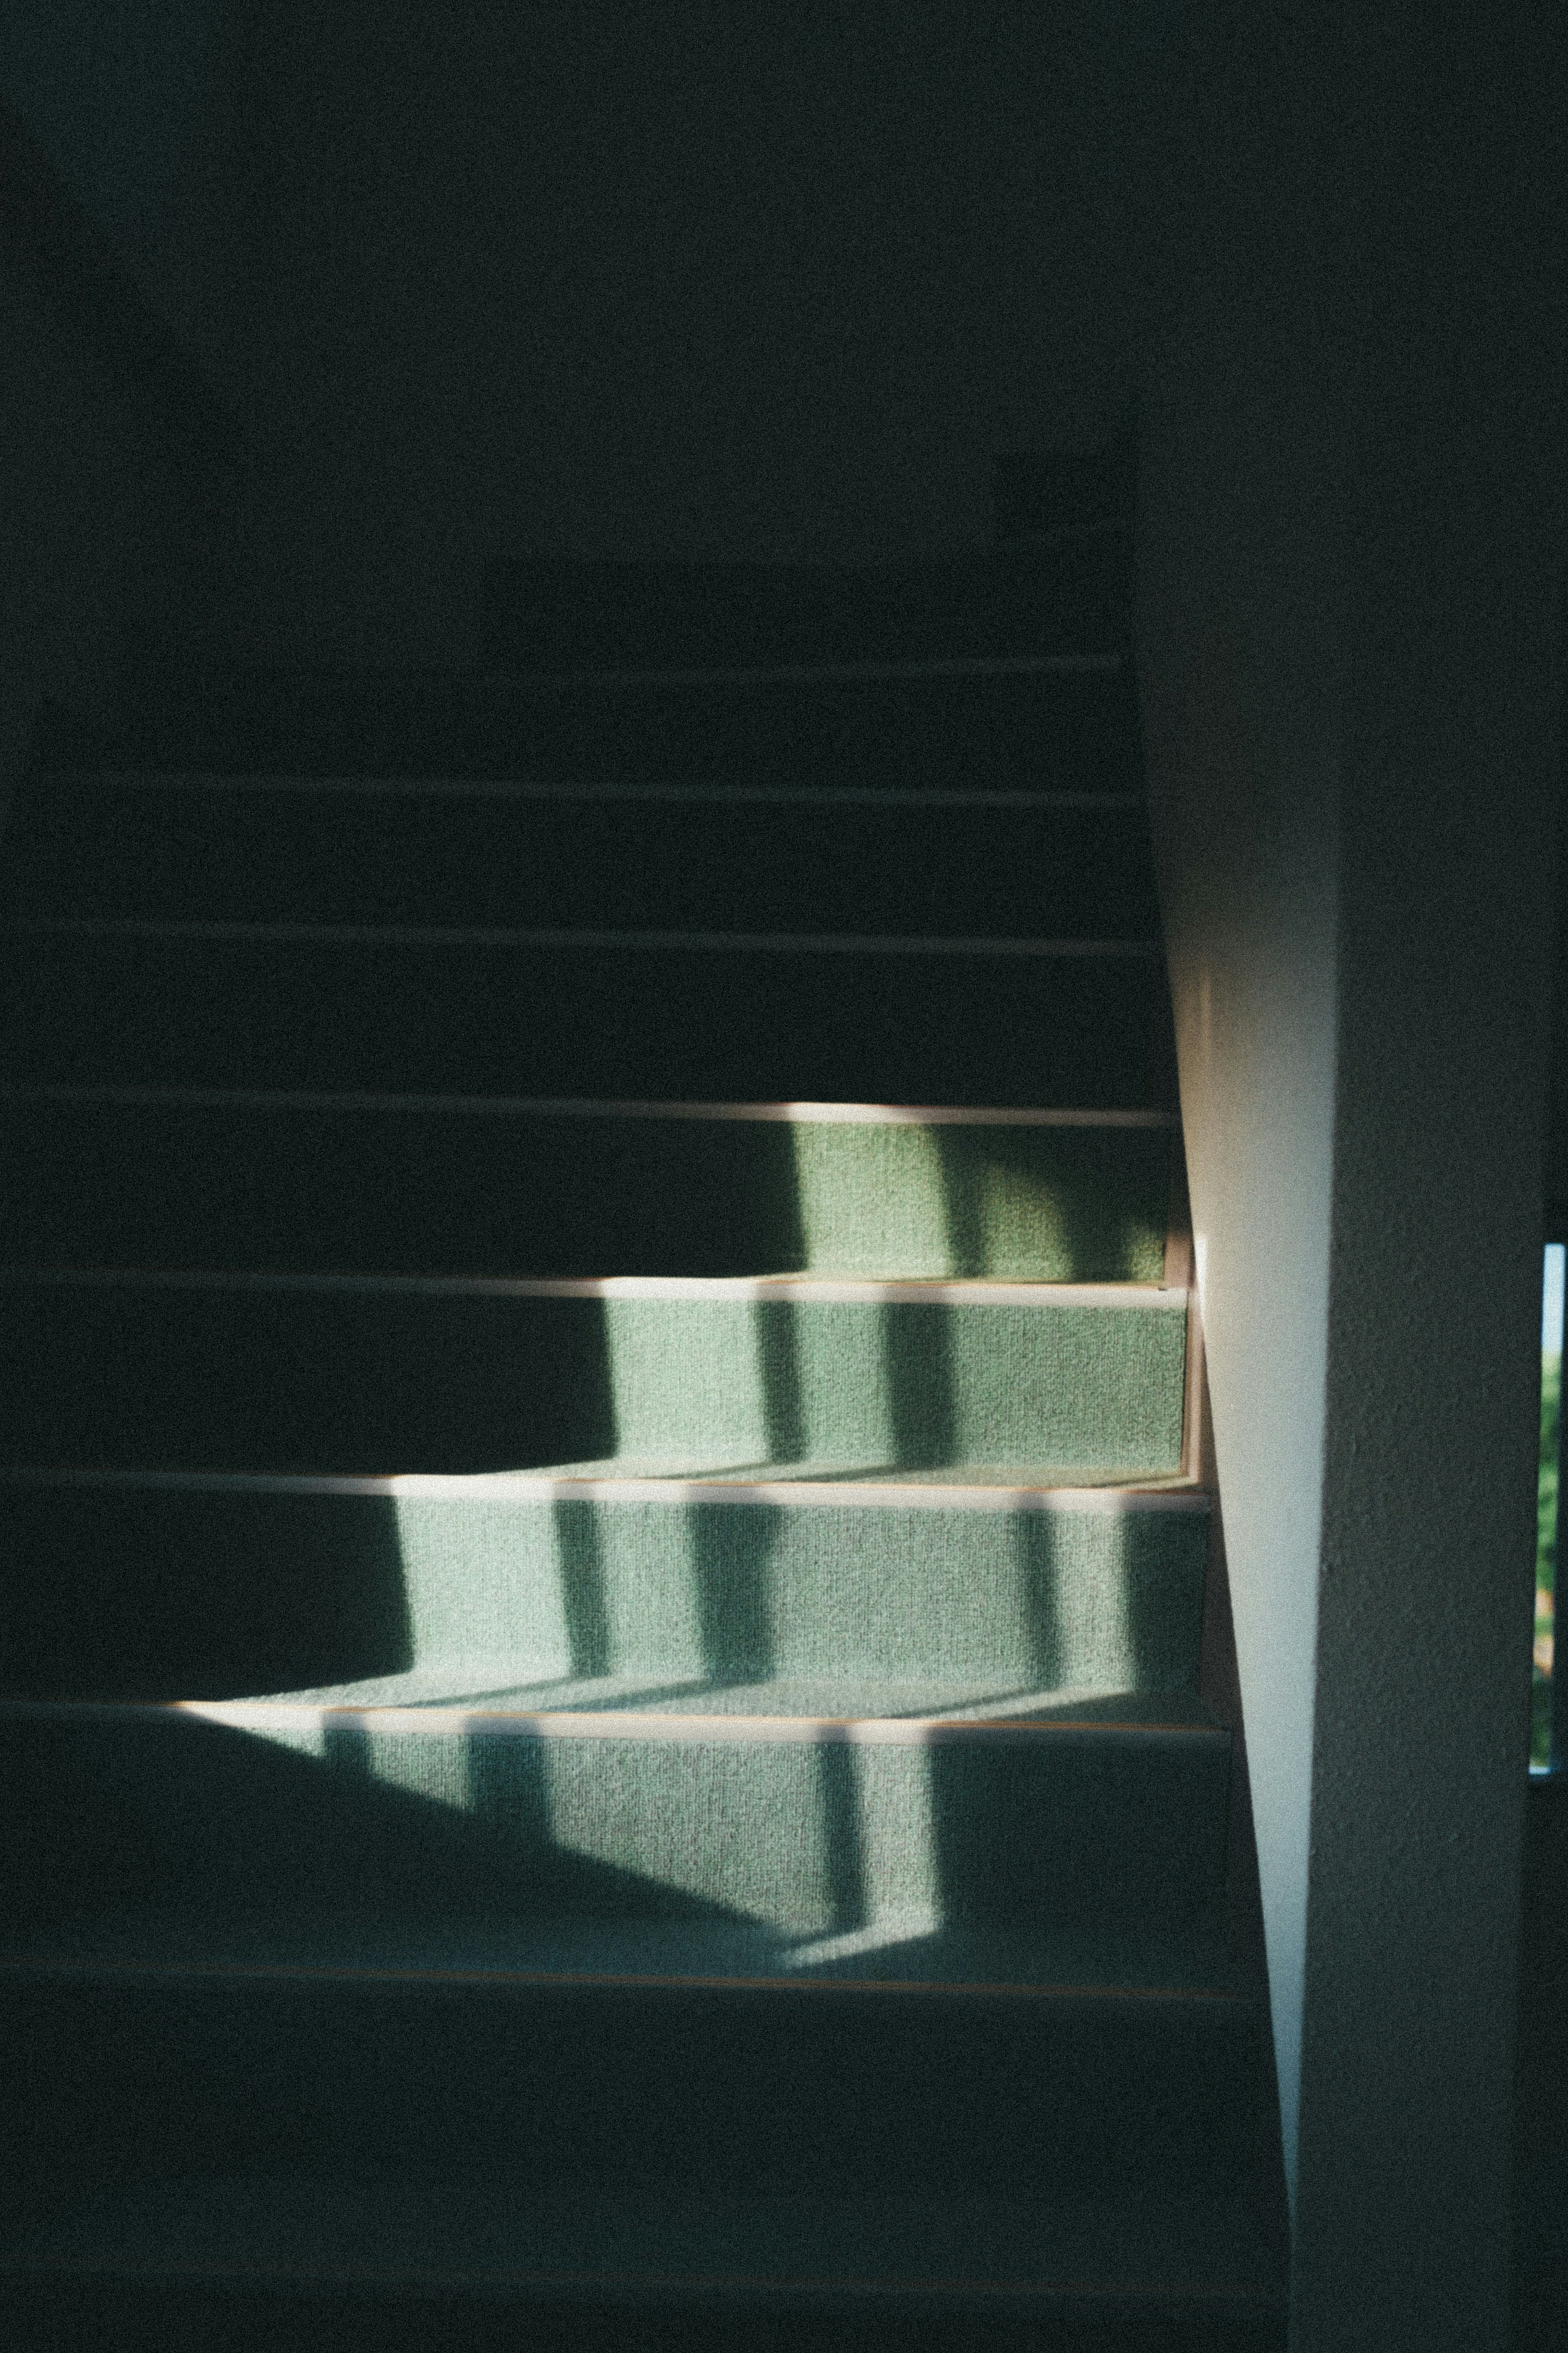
{"points": [[611, 279], [125, 100], [1352, 535], [100, 509]]}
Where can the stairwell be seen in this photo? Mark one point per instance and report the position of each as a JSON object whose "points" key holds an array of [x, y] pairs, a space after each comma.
{"points": [[602, 1590]]}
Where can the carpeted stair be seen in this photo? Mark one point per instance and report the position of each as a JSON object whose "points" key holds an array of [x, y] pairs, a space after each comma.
{"points": [[600, 1616]]}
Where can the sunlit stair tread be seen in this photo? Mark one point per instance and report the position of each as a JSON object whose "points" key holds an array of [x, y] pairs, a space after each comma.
{"points": [[163, 1586]]}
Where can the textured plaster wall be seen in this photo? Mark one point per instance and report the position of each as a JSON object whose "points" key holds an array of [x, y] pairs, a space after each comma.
{"points": [[1353, 541]]}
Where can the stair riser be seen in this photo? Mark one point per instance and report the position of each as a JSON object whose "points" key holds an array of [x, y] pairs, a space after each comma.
{"points": [[734, 2091], [188, 854], [170, 1594], [1075, 597], [389, 1191], [167, 1377], [1043, 1832], [1038, 731], [640, 1024], [155, 2303]]}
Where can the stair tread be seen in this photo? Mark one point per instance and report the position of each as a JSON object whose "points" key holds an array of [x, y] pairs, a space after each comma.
{"points": [[615, 1018], [385, 2226], [494, 1186], [1044, 725], [278, 1373], [804, 1479], [618, 1479], [187, 849], [492, 1686]]}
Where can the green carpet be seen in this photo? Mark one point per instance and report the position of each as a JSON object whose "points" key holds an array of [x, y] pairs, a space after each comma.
{"points": [[471, 1187], [142, 1590], [810, 1829], [383, 1379]]}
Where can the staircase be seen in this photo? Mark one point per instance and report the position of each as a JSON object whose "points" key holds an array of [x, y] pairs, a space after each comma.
{"points": [[601, 1604]]}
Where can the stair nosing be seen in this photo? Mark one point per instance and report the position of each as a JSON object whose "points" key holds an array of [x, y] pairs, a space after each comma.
{"points": [[262, 780], [46, 1964], [513, 680], [1128, 1496], [938, 1290], [644, 1727], [836, 1115], [644, 942]]}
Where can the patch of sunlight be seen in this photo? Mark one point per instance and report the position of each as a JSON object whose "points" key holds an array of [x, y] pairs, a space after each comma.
{"points": [[881, 1937], [896, 1876], [493, 1576], [872, 1198], [1078, 1611], [685, 1375]]}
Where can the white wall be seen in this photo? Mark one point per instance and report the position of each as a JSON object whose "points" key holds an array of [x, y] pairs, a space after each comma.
{"points": [[1352, 533]]}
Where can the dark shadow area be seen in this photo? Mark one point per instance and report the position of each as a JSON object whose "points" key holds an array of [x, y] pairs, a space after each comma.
{"points": [[838, 1780], [1073, 731], [127, 1593], [1119, 1833], [634, 1022], [918, 1361], [1104, 1190], [1541, 2076], [580, 1555], [410, 1189], [822, 858], [1034, 1536], [151, 2314], [1161, 1600], [190, 1821], [730, 1553], [284, 1380], [560, 616], [778, 1362]]}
